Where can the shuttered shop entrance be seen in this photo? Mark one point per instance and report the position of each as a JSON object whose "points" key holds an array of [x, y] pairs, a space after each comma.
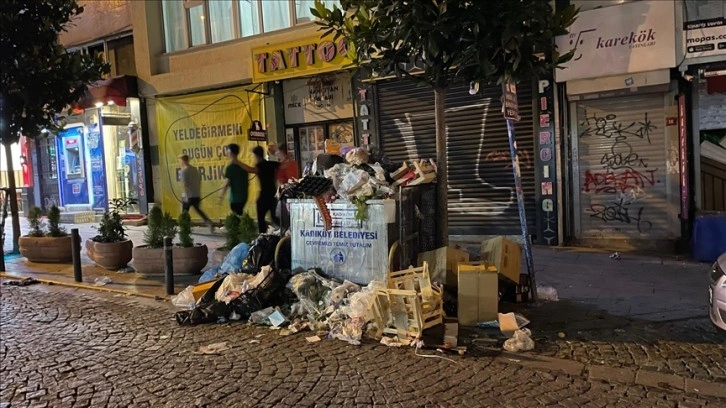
{"points": [[482, 198], [625, 169]]}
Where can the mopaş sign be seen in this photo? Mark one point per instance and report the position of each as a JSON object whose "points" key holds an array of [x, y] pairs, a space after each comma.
{"points": [[311, 55]]}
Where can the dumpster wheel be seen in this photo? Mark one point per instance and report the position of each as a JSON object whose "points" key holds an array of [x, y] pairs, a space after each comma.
{"points": [[392, 255], [283, 254]]}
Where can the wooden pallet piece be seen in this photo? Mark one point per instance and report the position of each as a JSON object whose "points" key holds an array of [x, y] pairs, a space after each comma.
{"points": [[398, 313], [419, 280]]}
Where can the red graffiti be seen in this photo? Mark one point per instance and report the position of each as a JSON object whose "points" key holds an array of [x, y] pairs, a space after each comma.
{"points": [[610, 182]]}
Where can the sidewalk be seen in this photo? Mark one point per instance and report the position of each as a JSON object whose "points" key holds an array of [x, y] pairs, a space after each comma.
{"points": [[636, 287], [129, 283]]}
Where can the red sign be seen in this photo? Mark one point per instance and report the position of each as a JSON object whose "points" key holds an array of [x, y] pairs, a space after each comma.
{"points": [[683, 163], [671, 121], [71, 141]]}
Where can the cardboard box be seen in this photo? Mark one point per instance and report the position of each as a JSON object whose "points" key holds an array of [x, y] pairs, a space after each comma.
{"points": [[478, 293], [505, 254], [442, 264]]}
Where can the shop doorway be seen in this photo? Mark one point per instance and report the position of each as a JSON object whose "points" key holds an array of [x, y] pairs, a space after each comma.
{"points": [[307, 141], [121, 166]]}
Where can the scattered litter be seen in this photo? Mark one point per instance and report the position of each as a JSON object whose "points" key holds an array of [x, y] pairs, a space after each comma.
{"points": [[615, 256], [514, 360], [521, 341], [23, 282], [235, 316], [185, 298], [255, 342], [511, 322], [257, 336], [127, 269], [547, 294], [492, 324], [561, 335], [214, 348], [390, 342], [277, 318], [102, 281], [313, 339], [619, 331], [164, 337], [285, 332], [262, 317]]}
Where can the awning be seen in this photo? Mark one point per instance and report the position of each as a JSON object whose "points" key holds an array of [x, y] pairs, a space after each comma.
{"points": [[113, 89], [715, 80]]}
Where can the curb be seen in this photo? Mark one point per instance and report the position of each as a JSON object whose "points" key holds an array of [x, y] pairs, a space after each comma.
{"points": [[90, 287], [628, 376]]}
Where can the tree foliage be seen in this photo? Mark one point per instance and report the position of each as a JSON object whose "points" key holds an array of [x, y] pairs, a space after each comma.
{"points": [[439, 42], [39, 78]]}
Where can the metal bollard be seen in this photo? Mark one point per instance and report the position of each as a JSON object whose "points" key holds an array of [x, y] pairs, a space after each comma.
{"points": [[76, 254], [169, 266]]}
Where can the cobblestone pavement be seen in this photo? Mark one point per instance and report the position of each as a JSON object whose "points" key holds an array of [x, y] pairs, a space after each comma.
{"points": [[64, 347], [690, 348]]}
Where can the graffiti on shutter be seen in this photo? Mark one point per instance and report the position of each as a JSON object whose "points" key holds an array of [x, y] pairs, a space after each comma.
{"points": [[623, 168]]}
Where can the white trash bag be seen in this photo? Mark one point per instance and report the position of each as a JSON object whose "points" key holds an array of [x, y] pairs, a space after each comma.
{"points": [[185, 298], [521, 341]]}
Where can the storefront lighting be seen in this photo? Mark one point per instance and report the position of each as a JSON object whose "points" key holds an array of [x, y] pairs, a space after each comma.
{"points": [[109, 103], [44, 130], [99, 104]]}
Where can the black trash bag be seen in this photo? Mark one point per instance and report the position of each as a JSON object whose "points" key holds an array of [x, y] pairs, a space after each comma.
{"points": [[262, 253], [208, 309], [270, 292]]}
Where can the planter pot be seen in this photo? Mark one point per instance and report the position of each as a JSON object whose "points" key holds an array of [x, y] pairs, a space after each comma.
{"points": [[218, 256], [46, 249], [187, 261], [111, 255]]}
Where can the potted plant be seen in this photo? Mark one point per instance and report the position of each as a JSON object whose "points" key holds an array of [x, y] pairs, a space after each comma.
{"points": [[120, 205], [46, 243], [191, 257], [237, 229], [149, 260], [110, 249]]}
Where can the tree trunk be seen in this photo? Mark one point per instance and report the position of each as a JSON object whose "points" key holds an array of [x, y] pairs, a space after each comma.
{"points": [[13, 196], [442, 179]]}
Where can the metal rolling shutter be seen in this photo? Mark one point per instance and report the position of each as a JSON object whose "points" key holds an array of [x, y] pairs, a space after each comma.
{"points": [[482, 199], [622, 168]]}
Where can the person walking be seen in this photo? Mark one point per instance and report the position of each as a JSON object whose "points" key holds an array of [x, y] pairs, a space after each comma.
{"points": [[266, 202], [237, 181], [191, 198]]}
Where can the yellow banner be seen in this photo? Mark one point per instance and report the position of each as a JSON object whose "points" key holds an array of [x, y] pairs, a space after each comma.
{"points": [[306, 56], [200, 126]]}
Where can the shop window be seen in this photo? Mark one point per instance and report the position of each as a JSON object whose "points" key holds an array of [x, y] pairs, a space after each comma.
{"points": [[249, 16], [175, 32]]}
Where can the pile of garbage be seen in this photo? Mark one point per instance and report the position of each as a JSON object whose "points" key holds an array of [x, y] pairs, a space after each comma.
{"points": [[396, 311], [363, 173]]}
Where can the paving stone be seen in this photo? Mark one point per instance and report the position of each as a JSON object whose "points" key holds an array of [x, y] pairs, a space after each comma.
{"points": [[135, 367]]}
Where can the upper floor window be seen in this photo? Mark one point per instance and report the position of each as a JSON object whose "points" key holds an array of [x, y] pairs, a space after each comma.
{"points": [[189, 23]]}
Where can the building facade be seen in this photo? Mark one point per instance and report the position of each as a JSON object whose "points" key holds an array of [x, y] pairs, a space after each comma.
{"points": [[97, 157], [635, 115]]}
